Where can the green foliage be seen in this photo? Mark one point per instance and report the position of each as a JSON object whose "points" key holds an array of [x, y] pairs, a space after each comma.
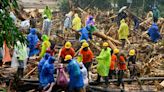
{"points": [[64, 6], [8, 30]]}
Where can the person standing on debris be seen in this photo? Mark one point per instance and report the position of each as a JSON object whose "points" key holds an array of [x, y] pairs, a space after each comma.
{"points": [[132, 63], [121, 69], [90, 21], [21, 54], [33, 41], [45, 44], [46, 28], [121, 15], [154, 33], [104, 60], [76, 24], [112, 71], [47, 75], [66, 50], [85, 75], [87, 55], [68, 24], [48, 13], [156, 14], [33, 21], [76, 83], [136, 22], [123, 32], [85, 33]]}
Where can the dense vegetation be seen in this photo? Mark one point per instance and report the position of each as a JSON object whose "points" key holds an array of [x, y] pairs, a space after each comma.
{"points": [[8, 30]]}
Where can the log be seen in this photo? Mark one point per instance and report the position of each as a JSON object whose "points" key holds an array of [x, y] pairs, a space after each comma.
{"points": [[97, 47], [101, 89], [103, 36], [111, 44], [30, 72], [131, 80]]}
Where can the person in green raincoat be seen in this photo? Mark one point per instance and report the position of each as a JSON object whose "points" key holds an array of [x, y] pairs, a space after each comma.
{"points": [[47, 12], [45, 44], [104, 60], [123, 32]]}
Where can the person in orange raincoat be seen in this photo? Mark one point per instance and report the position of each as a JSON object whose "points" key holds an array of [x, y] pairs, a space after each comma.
{"points": [[6, 53]]}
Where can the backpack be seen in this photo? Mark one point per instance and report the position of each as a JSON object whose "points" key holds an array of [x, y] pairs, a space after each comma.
{"points": [[62, 79]]}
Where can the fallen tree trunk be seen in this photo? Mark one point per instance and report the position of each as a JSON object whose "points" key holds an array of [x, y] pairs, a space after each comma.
{"points": [[103, 36]]}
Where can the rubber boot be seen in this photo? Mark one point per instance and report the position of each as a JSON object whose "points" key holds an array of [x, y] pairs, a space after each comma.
{"points": [[21, 72]]}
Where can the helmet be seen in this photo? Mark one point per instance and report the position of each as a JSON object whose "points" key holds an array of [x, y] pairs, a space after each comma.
{"points": [[105, 44], [82, 41], [132, 52], [68, 45], [85, 44], [68, 57], [116, 51]]}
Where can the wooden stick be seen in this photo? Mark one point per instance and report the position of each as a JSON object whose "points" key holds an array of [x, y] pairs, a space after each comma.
{"points": [[30, 72]]}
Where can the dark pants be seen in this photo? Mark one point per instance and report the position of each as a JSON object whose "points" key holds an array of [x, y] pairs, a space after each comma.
{"points": [[120, 78], [76, 90], [123, 43], [20, 68], [111, 74], [90, 35], [99, 77], [87, 65], [133, 71]]}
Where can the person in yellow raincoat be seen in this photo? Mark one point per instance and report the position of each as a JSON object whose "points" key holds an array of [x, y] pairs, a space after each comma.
{"points": [[123, 32], [46, 44], [104, 60], [76, 24], [47, 12]]}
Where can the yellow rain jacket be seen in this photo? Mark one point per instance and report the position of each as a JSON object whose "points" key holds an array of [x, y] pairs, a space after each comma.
{"points": [[46, 44], [76, 23], [123, 31]]}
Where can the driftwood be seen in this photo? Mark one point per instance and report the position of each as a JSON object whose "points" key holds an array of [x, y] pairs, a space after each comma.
{"points": [[30, 72], [103, 36]]}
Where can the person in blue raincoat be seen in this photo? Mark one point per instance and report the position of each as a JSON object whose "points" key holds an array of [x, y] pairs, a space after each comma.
{"points": [[42, 61], [84, 33], [154, 33], [76, 83], [47, 74], [33, 40], [90, 21]]}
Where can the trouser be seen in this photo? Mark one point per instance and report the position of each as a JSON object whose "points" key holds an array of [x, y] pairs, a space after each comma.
{"points": [[20, 68], [87, 65], [111, 74], [90, 36], [120, 78], [133, 71], [105, 77], [76, 90], [123, 43]]}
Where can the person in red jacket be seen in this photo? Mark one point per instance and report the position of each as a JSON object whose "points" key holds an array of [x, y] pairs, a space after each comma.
{"points": [[66, 50], [112, 71], [121, 69], [87, 55]]}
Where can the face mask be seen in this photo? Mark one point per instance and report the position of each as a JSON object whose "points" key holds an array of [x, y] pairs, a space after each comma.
{"points": [[85, 49]]}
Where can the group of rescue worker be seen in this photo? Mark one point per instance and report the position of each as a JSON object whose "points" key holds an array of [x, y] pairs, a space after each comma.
{"points": [[72, 72]]}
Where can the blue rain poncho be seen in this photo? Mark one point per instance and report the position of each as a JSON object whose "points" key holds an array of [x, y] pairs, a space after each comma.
{"points": [[47, 72], [42, 61], [76, 77], [154, 33], [84, 33], [33, 40]]}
